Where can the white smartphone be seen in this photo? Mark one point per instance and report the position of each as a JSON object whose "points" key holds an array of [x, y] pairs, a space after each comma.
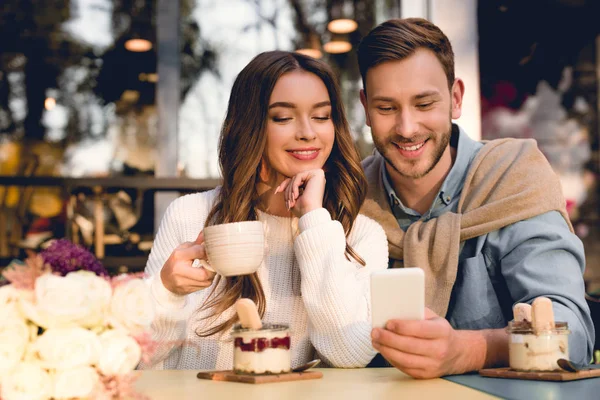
{"points": [[397, 293]]}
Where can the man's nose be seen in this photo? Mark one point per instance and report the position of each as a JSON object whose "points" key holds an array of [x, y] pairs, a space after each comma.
{"points": [[406, 124]]}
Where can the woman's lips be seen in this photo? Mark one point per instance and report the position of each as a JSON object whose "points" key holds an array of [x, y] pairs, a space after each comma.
{"points": [[305, 154]]}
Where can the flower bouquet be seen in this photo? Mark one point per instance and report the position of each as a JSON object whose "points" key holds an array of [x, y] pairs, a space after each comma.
{"points": [[68, 330]]}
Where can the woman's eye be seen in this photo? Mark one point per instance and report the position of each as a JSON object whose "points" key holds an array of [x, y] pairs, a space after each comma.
{"points": [[281, 119], [326, 118]]}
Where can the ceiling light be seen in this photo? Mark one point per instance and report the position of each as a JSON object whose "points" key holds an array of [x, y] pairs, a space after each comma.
{"points": [[337, 46], [138, 45], [344, 25], [49, 103]]}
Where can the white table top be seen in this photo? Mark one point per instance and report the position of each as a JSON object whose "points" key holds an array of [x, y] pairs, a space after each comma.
{"points": [[346, 384]]}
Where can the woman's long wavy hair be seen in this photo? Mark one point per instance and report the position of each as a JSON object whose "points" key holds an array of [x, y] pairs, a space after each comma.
{"points": [[241, 149]]}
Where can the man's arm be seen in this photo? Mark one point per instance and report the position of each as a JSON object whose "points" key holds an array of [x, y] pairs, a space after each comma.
{"points": [[536, 257], [542, 257]]}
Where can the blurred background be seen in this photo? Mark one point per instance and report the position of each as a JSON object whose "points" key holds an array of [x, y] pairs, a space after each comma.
{"points": [[111, 108]]}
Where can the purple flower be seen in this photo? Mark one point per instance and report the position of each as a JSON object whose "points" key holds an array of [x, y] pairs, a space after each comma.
{"points": [[65, 256]]}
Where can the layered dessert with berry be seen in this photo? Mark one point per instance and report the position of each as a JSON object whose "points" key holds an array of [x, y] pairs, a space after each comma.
{"points": [[261, 351]]}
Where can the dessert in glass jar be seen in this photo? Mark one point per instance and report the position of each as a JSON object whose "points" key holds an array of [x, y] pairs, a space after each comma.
{"points": [[536, 341], [531, 351], [261, 351]]}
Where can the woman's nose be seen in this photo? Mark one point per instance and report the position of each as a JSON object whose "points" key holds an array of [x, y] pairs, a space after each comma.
{"points": [[305, 130]]}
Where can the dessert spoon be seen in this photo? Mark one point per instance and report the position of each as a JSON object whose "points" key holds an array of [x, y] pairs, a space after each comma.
{"points": [[306, 366], [571, 366]]}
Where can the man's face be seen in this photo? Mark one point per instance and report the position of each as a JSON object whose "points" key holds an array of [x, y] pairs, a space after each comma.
{"points": [[410, 110]]}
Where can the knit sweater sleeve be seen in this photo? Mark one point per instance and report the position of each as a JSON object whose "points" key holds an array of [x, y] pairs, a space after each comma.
{"points": [[335, 290], [172, 311]]}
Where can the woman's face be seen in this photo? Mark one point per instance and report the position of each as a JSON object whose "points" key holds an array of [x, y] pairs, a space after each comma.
{"points": [[300, 131]]}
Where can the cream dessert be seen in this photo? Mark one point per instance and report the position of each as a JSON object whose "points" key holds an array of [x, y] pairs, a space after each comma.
{"points": [[528, 351], [261, 351], [536, 341]]}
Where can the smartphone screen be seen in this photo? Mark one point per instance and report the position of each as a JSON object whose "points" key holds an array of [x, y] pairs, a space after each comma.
{"points": [[397, 293]]}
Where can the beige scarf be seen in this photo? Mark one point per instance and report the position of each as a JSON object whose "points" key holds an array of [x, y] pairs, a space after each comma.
{"points": [[509, 180]]}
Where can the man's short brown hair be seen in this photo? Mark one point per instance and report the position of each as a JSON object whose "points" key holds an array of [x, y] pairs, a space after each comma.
{"points": [[398, 39]]}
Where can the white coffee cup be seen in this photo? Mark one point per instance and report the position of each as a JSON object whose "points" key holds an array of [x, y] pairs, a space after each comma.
{"points": [[233, 249]]}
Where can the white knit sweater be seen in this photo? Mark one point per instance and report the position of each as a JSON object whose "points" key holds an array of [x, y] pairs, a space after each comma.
{"points": [[308, 283]]}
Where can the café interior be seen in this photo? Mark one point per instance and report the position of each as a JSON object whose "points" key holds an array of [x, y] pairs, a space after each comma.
{"points": [[110, 109]]}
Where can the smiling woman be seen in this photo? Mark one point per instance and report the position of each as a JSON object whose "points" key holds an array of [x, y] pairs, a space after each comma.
{"points": [[287, 160]]}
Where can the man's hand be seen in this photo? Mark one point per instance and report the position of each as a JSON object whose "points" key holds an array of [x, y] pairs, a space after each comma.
{"points": [[432, 348]]}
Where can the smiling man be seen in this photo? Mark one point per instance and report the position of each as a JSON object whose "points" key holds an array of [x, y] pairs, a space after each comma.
{"points": [[486, 221]]}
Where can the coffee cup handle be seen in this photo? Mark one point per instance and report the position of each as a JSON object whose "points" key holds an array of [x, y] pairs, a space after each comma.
{"points": [[197, 263]]}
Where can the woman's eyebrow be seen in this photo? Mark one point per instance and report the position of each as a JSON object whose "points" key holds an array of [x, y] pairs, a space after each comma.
{"points": [[283, 104], [286, 104]]}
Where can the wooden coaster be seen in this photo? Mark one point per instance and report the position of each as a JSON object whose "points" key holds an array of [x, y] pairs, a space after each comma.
{"points": [[539, 376], [231, 376]]}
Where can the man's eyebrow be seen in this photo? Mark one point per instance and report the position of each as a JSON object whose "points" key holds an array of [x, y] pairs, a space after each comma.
{"points": [[427, 93], [383, 98], [419, 96], [286, 104]]}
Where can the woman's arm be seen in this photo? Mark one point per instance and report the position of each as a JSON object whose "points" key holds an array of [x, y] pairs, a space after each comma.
{"points": [[335, 290]]}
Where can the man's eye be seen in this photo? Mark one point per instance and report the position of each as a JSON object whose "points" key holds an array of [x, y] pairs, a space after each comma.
{"points": [[384, 109], [423, 106]]}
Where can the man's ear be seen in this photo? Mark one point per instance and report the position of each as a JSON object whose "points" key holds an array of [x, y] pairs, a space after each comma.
{"points": [[363, 100], [457, 93]]}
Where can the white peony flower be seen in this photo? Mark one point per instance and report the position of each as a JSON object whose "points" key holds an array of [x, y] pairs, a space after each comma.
{"points": [[75, 383], [120, 353], [131, 307], [64, 348], [9, 302], [59, 302], [97, 292], [14, 338], [27, 382]]}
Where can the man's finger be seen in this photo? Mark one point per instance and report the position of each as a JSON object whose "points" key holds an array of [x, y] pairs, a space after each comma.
{"points": [[404, 361], [405, 344], [427, 329], [429, 314]]}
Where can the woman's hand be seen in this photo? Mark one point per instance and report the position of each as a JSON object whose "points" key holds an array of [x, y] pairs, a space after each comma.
{"points": [[179, 276], [304, 191]]}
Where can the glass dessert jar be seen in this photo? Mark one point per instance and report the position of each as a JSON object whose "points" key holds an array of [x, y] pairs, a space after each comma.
{"points": [[261, 351], [528, 351]]}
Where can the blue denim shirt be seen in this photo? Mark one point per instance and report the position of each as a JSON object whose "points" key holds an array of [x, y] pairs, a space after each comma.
{"points": [[539, 256]]}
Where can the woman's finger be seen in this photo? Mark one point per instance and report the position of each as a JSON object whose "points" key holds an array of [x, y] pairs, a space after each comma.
{"points": [[288, 192], [190, 252], [282, 186], [197, 275]]}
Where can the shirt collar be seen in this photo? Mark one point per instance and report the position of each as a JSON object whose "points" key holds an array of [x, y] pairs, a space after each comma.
{"points": [[466, 149]]}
